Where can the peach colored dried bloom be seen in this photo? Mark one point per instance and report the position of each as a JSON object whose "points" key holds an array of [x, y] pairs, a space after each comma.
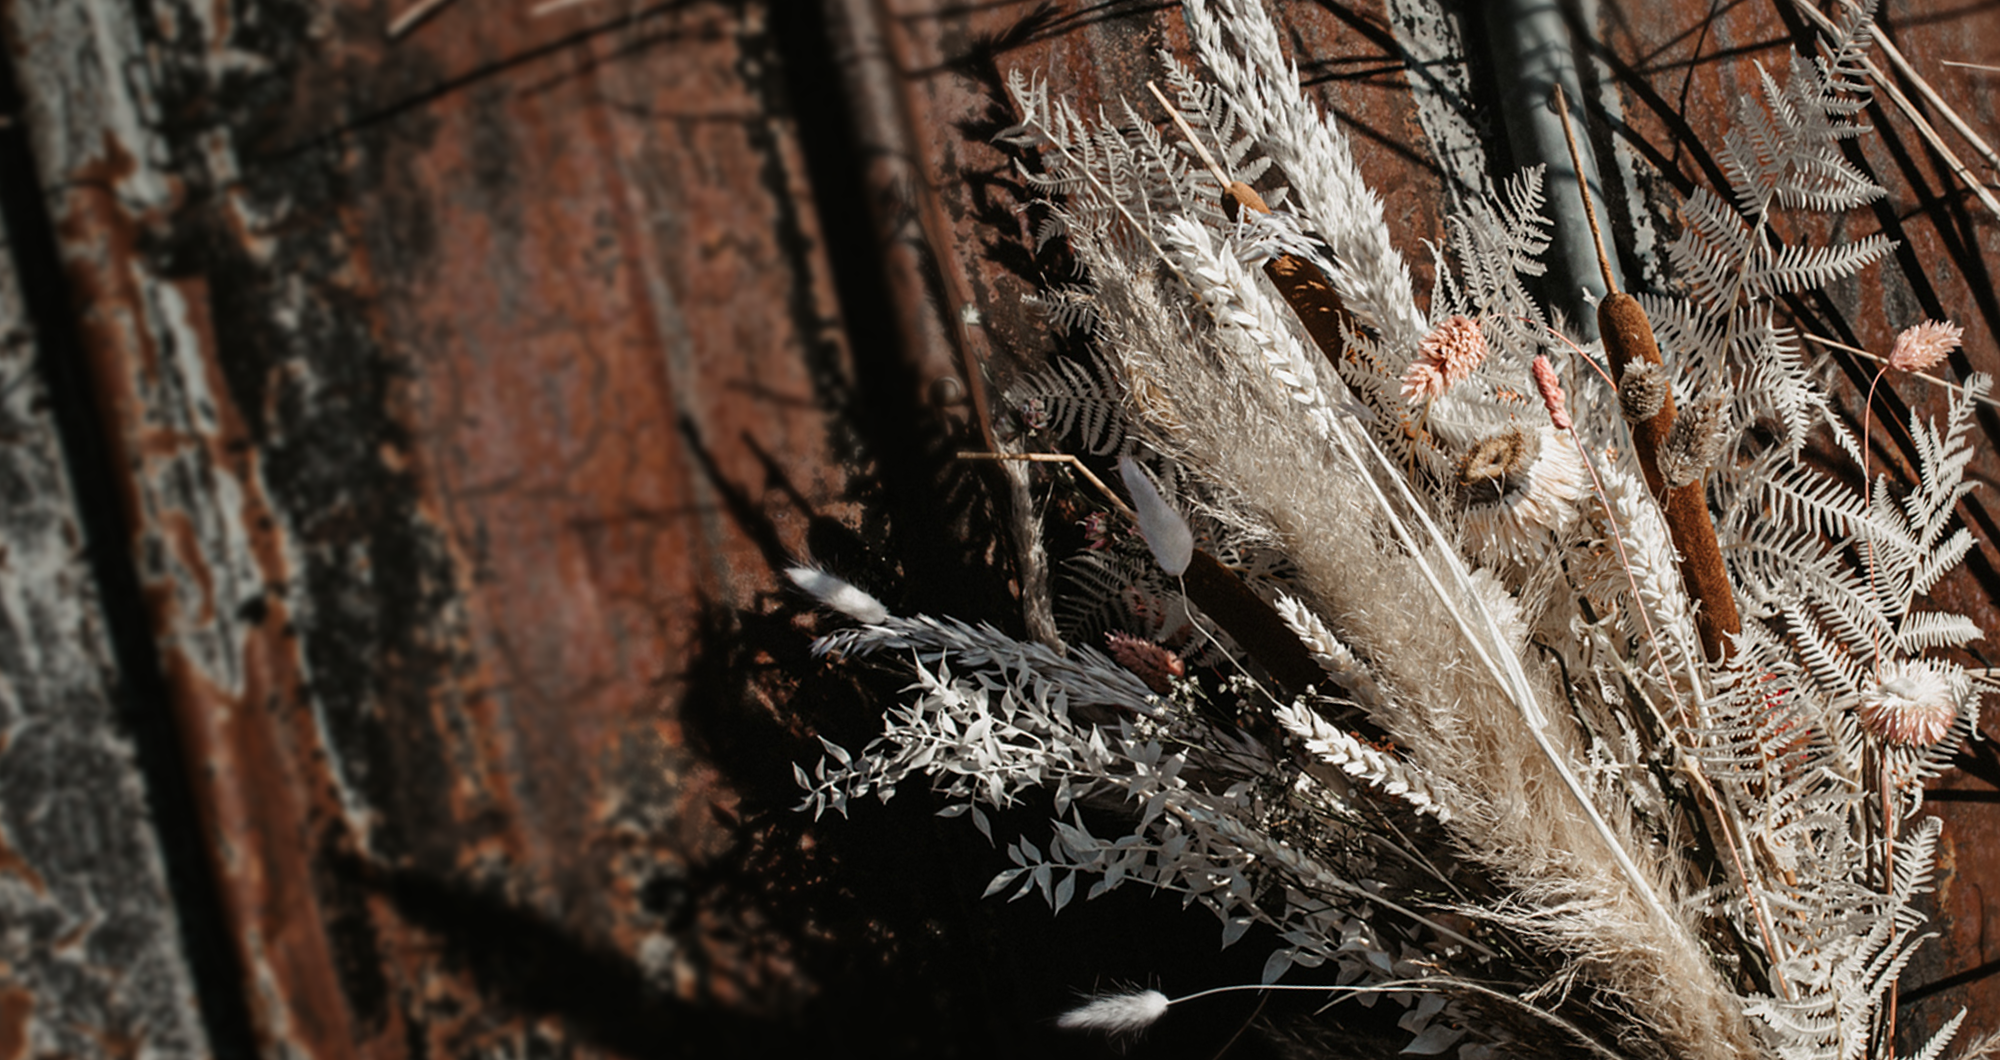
{"points": [[1551, 387], [1148, 661], [1446, 357], [1923, 345], [1423, 382], [1912, 706]]}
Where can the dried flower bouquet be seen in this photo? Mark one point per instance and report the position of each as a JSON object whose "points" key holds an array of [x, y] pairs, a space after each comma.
{"points": [[1539, 686]]}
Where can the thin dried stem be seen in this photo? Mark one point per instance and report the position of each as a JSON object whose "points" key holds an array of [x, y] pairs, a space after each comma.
{"points": [[1878, 359], [414, 15], [1057, 458], [1181, 123], [1583, 189]]}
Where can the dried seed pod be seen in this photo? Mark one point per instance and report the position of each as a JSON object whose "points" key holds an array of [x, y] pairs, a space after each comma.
{"points": [[1693, 443], [1642, 391], [1498, 463]]}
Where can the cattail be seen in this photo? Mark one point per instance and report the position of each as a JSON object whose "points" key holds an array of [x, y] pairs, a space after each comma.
{"points": [[1550, 385], [1694, 442], [839, 595], [1446, 357], [1912, 706], [1642, 391], [1923, 345], [1117, 1014], [1148, 661]]}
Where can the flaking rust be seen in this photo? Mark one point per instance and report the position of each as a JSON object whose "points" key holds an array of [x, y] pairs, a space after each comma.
{"points": [[440, 436], [84, 896]]}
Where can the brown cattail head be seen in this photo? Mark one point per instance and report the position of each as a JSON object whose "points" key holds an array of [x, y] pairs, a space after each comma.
{"points": [[1693, 443], [1238, 195], [1154, 665], [1551, 387], [1923, 345], [1642, 391]]}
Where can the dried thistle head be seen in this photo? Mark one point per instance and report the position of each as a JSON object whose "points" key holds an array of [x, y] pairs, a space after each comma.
{"points": [[1912, 705], [1446, 357], [1642, 391], [1694, 442], [1923, 345]]}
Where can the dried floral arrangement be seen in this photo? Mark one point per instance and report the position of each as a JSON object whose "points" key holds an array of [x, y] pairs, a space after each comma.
{"points": [[1538, 686]]}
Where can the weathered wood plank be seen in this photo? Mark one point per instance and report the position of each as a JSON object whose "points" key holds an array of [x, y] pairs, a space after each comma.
{"points": [[91, 964]]}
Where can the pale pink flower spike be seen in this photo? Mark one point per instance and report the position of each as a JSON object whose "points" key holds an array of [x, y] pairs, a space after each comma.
{"points": [[1923, 345], [1551, 387]]}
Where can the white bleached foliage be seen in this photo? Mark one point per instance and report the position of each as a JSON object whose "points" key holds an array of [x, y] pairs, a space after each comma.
{"points": [[1517, 767]]}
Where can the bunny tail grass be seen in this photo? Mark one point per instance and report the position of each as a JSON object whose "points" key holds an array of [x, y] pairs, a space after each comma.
{"points": [[839, 595], [1117, 1014]]}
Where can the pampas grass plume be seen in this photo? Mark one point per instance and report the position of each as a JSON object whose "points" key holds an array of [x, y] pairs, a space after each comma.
{"points": [[1162, 527], [839, 595], [1117, 1014]]}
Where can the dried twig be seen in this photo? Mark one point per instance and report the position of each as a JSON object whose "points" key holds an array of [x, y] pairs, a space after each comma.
{"points": [[413, 15], [1058, 458]]}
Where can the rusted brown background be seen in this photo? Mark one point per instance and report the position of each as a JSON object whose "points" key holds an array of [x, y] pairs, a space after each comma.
{"points": [[399, 441]]}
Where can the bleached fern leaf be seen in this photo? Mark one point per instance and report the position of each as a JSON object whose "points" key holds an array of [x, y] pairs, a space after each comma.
{"points": [[1079, 402]]}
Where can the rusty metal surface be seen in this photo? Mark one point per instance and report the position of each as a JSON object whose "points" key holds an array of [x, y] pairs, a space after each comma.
{"points": [[91, 964], [466, 392], [445, 379]]}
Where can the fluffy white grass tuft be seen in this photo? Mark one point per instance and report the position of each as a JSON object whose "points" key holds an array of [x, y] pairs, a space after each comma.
{"points": [[1117, 1014], [839, 595]]}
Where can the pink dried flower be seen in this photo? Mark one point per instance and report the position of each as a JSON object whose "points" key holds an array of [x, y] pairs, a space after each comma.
{"points": [[1148, 661], [1912, 706], [1423, 382], [1923, 345], [1551, 387], [1446, 357]]}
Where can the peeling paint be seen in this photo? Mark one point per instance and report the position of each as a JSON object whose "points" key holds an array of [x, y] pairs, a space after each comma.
{"points": [[90, 959]]}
